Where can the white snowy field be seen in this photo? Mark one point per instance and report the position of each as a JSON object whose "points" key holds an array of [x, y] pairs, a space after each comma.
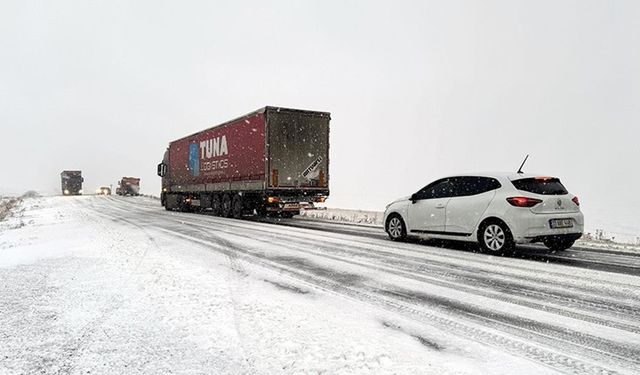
{"points": [[118, 285]]}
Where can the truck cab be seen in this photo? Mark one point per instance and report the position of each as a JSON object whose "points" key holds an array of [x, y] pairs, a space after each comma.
{"points": [[71, 182], [128, 186]]}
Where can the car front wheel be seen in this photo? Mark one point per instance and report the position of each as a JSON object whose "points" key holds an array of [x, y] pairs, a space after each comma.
{"points": [[396, 228]]}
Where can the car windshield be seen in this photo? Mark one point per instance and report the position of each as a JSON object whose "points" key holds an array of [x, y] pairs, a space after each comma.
{"points": [[543, 186]]}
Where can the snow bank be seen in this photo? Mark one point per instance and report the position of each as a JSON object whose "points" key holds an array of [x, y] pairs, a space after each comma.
{"points": [[6, 205], [346, 216]]}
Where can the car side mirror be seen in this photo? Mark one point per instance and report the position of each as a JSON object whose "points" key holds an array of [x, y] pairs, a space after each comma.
{"points": [[414, 197]]}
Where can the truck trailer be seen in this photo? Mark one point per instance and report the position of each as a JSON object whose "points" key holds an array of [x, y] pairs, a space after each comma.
{"points": [[71, 182], [273, 161], [128, 186]]}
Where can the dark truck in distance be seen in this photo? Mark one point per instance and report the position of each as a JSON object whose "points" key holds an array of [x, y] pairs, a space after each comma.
{"points": [[271, 161], [128, 186], [71, 182]]}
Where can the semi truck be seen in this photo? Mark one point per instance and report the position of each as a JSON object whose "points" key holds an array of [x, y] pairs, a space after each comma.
{"points": [[273, 161], [128, 186], [71, 182]]}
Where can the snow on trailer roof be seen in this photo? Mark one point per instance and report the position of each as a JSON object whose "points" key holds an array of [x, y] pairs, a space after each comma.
{"points": [[256, 112]]}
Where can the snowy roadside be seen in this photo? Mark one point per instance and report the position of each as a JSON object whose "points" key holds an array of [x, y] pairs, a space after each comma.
{"points": [[371, 218], [7, 204]]}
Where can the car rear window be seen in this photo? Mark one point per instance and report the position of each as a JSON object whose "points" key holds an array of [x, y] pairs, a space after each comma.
{"points": [[543, 186]]}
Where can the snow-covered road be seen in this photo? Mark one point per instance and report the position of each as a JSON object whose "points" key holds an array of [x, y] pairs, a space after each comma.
{"points": [[118, 285]]}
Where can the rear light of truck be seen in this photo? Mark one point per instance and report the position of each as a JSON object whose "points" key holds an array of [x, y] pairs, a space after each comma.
{"points": [[274, 177], [523, 201], [576, 201], [321, 178]]}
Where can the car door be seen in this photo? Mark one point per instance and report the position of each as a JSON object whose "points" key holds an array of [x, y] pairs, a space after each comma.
{"points": [[471, 197], [427, 209]]}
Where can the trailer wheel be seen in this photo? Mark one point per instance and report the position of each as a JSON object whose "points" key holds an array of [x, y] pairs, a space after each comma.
{"points": [[216, 205], [261, 210], [226, 205], [171, 202], [237, 206], [183, 206]]}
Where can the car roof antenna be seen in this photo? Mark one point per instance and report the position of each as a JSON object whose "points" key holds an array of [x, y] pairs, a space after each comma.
{"points": [[522, 165]]}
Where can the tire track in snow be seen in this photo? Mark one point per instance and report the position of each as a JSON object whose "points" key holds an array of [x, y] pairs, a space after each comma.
{"points": [[238, 273], [75, 346], [535, 289], [580, 256], [202, 236]]}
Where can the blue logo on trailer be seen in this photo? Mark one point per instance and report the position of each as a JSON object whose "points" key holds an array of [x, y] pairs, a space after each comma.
{"points": [[194, 159]]}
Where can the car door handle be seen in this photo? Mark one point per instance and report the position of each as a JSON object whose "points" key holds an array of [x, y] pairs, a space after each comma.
{"points": [[440, 205]]}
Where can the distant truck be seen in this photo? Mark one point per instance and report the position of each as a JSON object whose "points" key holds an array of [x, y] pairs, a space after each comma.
{"points": [[271, 161], [71, 182], [128, 186]]}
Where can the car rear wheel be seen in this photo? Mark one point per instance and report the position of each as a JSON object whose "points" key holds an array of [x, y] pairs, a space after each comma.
{"points": [[495, 238], [396, 229], [558, 244]]}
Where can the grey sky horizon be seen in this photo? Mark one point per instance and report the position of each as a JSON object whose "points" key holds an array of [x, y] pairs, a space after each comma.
{"points": [[417, 90]]}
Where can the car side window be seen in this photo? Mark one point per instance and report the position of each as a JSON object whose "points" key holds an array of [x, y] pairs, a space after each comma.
{"points": [[438, 189], [472, 185]]}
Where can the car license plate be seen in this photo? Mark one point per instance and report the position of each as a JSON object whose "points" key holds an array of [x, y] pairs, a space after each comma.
{"points": [[561, 223], [292, 206]]}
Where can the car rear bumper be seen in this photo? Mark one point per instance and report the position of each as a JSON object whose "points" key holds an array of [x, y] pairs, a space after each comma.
{"points": [[555, 237], [537, 227]]}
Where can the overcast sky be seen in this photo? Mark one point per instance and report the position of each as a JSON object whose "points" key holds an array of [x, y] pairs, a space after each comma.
{"points": [[416, 89]]}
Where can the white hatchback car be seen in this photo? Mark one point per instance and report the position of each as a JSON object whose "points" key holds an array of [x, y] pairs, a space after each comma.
{"points": [[497, 210]]}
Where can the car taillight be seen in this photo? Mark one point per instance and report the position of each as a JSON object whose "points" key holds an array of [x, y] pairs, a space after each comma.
{"points": [[576, 201], [523, 201], [273, 199]]}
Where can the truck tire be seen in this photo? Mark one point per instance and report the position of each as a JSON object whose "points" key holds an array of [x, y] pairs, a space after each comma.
{"points": [[226, 205], [237, 207], [183, 206], [171, 202], [216, 205], [261, 210]]}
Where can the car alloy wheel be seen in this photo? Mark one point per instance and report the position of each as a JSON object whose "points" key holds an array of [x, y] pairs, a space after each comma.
{"points": [[395, 227], [494, 237]]}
